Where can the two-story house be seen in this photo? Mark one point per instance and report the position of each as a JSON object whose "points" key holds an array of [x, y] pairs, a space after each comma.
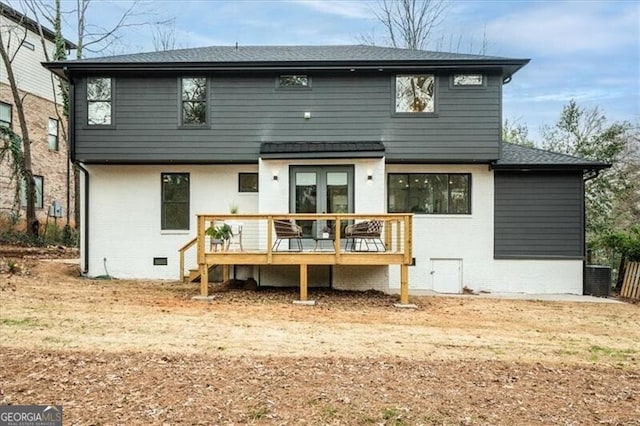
{"points": [[42, 103], [165, 136]]}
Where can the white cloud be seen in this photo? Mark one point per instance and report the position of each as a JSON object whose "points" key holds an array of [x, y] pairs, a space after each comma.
{"points": [[344, 8], [568, 27]]}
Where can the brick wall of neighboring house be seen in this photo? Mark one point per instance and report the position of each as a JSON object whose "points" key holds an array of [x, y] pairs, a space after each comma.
{"points": [[51, 165]]}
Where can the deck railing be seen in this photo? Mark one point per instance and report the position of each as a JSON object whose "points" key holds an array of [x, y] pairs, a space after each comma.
{"points": [[325, 239]]}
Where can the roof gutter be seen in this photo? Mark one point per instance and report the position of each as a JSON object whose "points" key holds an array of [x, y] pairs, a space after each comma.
{"points": [[596, 167], [508, 67]]}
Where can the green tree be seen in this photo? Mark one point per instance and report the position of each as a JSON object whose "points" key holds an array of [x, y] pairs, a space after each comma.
{"points": [[516, 133], [11, 153], [586, 133]]}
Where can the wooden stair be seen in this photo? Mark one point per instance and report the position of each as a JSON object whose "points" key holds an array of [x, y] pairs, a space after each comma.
{"points": [[194, 275]]}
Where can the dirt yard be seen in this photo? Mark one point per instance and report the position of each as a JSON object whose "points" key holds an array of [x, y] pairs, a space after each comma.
{"points": [[133, 352]]}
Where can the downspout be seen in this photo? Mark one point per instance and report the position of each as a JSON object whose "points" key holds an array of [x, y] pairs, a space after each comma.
{"points": [[592, 175], [85, 270], [72, 153]]}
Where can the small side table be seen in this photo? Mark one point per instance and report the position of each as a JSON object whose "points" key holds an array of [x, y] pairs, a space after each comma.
{"points": [[317, 246]]}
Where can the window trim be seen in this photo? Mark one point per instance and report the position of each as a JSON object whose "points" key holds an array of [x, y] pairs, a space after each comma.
{"points": [[56, 146], [28, 45], [279, 85], [10, 106], [23, 192], [423, 114], [163, 226], [454, 86], [206, 101], [111, 101], [242, 175], [448, 213]]}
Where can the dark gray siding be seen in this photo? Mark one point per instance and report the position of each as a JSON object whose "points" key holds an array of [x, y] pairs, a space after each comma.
{"points": [[247, 110], [539, 214]]}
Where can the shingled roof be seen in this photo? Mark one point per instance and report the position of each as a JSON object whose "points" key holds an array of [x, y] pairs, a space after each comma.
{"points": [[346, 53], [301, 57], [33, 26], [518, 157]]}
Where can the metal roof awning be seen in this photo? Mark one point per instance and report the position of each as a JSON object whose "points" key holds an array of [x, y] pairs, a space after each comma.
{"points": [[282, 150]]}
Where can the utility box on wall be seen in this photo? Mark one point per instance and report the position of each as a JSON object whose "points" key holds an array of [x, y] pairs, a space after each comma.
{"points": [[597, 281]]}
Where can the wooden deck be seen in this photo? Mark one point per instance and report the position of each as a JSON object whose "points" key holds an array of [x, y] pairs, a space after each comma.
{"points": [[254, 236]]}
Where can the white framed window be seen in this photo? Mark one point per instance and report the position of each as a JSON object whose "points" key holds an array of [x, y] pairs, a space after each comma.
{"points": [[28, 45], [415, 93], [5, 114], [52, 135], [38, 192]]}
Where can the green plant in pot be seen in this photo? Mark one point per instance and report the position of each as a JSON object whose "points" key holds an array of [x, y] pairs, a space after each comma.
{"points": [[219, 234]]}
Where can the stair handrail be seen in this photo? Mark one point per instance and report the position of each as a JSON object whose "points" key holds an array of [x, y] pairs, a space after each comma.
{"points": [[182, 251]]}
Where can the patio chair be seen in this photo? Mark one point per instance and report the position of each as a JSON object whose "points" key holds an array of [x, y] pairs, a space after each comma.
{"points": [[368, 232], [287, 230]]}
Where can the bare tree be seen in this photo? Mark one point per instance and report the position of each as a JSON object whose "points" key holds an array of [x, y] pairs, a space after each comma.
{"points": [[94, 38], [164, 35], [410, 23], [10, 43]]}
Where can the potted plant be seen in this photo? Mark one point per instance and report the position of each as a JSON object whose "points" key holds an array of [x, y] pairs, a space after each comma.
{"points": [[219, 234]]}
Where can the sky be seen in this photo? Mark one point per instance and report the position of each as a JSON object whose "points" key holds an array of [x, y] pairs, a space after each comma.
{"points": [[588, 51]]}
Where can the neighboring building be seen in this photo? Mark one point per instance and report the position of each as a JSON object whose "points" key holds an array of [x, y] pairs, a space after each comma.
{"points": [[397, 130], [42, 107]]}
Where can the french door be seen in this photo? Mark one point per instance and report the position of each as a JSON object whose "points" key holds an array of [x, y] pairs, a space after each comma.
{"points": [[320, 189]]}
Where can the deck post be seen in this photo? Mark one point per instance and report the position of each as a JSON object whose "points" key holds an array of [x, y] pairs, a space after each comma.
{"points": [[225, 273], [404, 284], [204, 280], [303, 282]]}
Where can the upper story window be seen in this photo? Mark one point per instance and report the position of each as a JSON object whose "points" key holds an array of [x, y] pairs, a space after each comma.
{"points": [[415, 93], [468, 80], [294, 81], [28, 45], [194, 100], [431, 193], [5, 114], [175, 201], [52, 136], [99, 95]]}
